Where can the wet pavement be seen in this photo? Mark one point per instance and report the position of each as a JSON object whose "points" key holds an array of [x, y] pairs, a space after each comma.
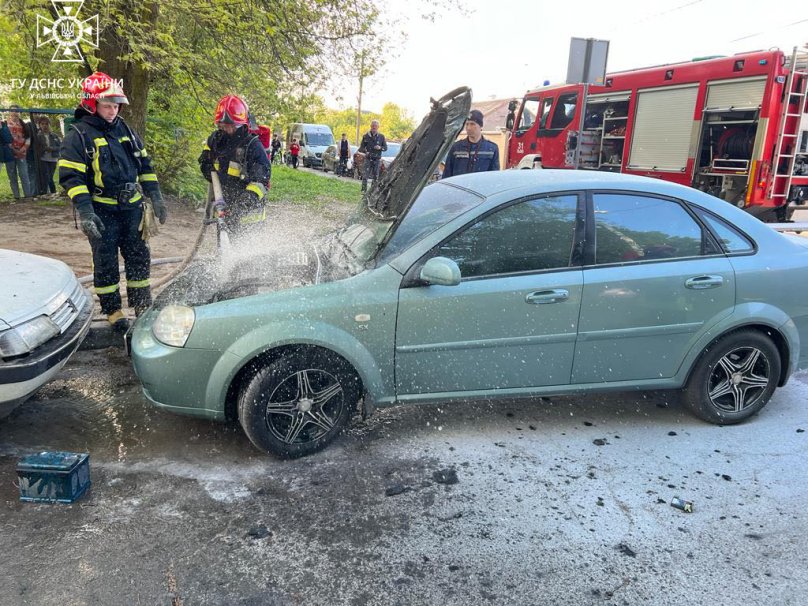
{"points": [[561, 501]]}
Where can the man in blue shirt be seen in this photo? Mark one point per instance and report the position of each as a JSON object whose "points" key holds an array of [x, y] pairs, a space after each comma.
{"points": [[475, 153]]}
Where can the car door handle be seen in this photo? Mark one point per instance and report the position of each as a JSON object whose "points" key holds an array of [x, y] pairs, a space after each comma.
{"points": [[704, 282], [543, 297]]}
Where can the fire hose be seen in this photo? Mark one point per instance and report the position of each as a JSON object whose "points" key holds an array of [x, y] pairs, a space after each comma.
{"points": [[215, 203]]}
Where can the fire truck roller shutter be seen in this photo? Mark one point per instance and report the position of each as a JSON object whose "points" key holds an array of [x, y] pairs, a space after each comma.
{"points": [[738, 93], [663, 126], [608, 98]]}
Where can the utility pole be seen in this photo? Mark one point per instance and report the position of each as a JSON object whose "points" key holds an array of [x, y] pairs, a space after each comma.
{"points": [[359, 101]]}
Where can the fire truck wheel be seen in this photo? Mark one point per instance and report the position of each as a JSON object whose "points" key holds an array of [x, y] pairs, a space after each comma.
{"points": [[734, 378]]}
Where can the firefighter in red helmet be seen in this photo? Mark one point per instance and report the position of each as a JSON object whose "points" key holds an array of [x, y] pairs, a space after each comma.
{"points": [[105, 170], [241, 164]]}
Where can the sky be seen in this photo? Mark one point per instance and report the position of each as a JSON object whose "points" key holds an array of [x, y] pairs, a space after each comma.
{"points": [[503, 48]]}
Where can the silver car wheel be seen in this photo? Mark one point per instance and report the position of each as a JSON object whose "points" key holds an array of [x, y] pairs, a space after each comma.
{"points": [[304, 406], [739, 379]]}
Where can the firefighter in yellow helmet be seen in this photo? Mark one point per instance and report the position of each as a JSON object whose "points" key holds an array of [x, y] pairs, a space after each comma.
{"points": [[104, 167]]}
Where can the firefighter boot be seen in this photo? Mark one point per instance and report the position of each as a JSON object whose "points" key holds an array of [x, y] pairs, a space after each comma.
{"points": [[118, 321]]}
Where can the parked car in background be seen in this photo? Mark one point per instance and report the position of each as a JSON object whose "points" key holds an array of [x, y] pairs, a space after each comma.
{"points": [[482, 286], [44, 316], [313, 140], [388, 156], [331, 159]]}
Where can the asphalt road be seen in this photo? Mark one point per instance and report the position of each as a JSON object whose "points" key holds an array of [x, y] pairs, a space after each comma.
{"points": [[565, 501]]}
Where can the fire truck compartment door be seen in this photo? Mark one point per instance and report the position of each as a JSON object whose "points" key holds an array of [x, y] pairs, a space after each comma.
{"points": [[739, 93], [662, 128]]}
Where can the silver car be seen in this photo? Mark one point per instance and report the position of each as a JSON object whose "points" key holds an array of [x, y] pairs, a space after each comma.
{"points": [[44, 316]]}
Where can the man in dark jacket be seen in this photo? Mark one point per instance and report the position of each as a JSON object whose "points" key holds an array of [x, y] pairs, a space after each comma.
{"points": [[100, 165], [48, 145], [241, 165], [475, 153], [6, 156], [276, 147], [344, 153], [373, 144]]}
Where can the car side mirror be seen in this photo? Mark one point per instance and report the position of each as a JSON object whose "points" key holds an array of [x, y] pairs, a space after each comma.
{"points": [[440, 271]]}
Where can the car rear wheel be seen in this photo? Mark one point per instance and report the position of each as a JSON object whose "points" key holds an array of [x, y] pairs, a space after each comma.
{"points": [[297, 404], [736, 377]]}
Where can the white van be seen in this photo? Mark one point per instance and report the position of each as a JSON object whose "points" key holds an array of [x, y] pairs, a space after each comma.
{"points": [[313, 140]]}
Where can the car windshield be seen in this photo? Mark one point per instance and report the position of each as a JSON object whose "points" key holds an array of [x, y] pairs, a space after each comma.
{"points": [[392, 150], [353, 247], [437, 205], [319, 139]]}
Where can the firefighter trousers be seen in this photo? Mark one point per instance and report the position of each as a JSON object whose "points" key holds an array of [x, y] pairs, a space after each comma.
{"points": [[121, 233]]}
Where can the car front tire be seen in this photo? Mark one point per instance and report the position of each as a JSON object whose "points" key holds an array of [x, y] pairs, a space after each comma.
{"points": [[735, 378], [297, 404]]}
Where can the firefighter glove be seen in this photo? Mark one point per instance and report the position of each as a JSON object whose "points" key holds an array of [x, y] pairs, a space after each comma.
{"points": [[160, 210], [91, 224]]}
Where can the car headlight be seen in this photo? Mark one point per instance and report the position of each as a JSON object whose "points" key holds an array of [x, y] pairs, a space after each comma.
{"points": [[26, 337], [173, 325]]}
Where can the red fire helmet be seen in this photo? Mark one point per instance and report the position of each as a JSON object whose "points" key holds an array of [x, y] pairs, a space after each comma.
{"points": [[231, 110], [100, 87]]}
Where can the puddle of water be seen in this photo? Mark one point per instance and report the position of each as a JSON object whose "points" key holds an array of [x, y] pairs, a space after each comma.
{"points": [[95, 405]]}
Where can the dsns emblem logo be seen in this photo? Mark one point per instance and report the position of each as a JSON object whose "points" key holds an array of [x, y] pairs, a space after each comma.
{"points": [[67, 31]]}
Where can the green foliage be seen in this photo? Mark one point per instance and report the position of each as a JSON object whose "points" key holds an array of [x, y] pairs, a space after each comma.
{"points": [[302, 187], [178, 57], [394, 122]]}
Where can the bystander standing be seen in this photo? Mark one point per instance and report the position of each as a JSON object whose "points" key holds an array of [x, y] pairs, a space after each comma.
{"points": [[48, 144], [17, 167], [473, 154], [373, 144]]}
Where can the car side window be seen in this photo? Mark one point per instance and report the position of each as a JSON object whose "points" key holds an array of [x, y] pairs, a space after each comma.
{"points": [[534, 235], [636, 227], [546, 104], [732, 241], [528, 115], [564, 110]]}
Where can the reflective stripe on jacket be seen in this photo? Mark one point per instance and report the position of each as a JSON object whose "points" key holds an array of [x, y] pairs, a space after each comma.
{"points": [[99, 159]]}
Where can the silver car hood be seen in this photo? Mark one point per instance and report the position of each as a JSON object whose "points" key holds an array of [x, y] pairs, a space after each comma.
{"points": [[32, 285]]}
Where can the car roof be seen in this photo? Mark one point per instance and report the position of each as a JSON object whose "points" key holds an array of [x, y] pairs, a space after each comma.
{"points": [[489, 183], [518, 183]]}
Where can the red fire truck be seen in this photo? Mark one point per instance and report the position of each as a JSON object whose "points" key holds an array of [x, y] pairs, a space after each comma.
{"points": [[736, 127]]}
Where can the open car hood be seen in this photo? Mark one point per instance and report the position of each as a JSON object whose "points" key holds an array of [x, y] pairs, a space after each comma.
{"points": [[394, 192], [252, 270]]}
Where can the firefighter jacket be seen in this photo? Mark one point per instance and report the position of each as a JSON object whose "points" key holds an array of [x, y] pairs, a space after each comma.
{"points": [[242, 165], [102, 162], [467, 157]]}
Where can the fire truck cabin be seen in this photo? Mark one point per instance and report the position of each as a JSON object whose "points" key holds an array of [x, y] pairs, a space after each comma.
{"points": [[735, 127]]}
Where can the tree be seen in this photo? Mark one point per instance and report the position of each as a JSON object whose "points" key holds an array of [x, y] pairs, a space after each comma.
{"points": [[258, 48], [396, 124]]}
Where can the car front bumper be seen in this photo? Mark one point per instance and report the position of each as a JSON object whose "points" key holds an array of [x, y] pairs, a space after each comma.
{"points": [[177, 379], [22, 377]]}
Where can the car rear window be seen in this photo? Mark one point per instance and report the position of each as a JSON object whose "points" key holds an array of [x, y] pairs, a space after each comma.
{"points": [[732, 241]]}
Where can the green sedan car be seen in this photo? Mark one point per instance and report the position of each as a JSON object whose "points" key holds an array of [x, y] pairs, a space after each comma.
{"points": [[486, 285]]}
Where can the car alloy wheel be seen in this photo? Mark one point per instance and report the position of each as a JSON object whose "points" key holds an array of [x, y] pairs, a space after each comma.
{"points": [[299, 402], [304, 406], [734, 378], [739, 378]]}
